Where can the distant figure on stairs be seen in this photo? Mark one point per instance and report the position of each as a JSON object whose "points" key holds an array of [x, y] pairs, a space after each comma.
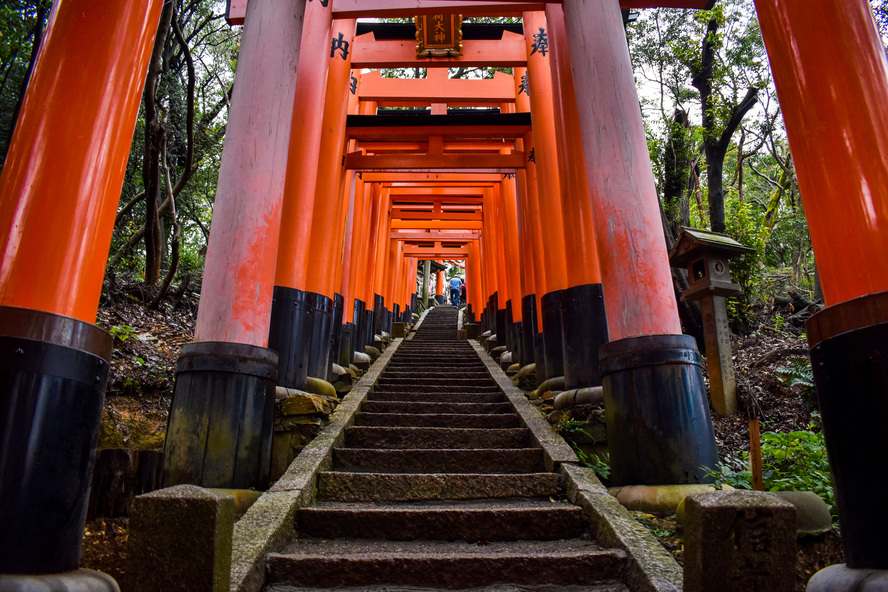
{"points": [[455, 287]]}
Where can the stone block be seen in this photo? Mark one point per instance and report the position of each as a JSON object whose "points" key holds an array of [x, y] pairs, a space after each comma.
{"points": [[461, 335], [473, 330], [82, 580], [399, 330], [737, 541], [180, 540], [299, 403]]}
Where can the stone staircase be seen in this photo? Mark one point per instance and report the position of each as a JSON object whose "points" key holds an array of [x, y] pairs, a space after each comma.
{"points": [[439, 487]]}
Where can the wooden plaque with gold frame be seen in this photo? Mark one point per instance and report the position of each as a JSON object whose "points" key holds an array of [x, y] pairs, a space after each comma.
{"points": [[438, 35]]}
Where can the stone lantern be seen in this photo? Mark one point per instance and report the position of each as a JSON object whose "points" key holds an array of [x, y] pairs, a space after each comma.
{"points": [[705, 255]]}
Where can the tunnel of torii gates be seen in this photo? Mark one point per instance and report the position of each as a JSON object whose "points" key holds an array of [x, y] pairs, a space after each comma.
{"points": [[326, 202]]}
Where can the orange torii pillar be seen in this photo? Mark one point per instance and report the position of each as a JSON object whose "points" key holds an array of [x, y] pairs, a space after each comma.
{"points": [[833, 87], [228, 443], [549, 186], [439, 286], [302, 313], [501, 296], [473, 275], [658, 423], [325, 244], [58, 197], [355, 263], [583, 318], [341, 340], [367, 269], [512, 266], [491, 267], [355, 229], [381, 264], [342, 330], [531, 236]]}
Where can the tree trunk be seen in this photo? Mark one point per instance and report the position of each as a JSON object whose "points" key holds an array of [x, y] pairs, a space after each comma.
{"points": [[716, 146], [154, 141], [676, 170]]}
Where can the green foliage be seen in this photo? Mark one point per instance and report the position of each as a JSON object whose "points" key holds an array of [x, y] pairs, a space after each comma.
{"points": [[791, 461], [122, 332], [567, 426], [798, 372], [745, 269], [20, 23]]}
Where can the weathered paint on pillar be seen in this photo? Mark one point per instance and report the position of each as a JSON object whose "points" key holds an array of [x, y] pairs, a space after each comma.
{"points": [[637, 281], [61, 182], [235, 303], [832, 80], [293, 264]]}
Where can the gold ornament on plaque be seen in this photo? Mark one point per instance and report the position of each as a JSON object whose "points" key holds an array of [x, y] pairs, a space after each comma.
{"points": [[438, 35]]}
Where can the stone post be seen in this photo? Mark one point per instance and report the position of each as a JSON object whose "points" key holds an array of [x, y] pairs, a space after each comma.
{"points": [[737, 541]]}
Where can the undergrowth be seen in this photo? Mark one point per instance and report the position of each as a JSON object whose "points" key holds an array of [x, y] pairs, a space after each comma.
{"points": [[791, 461]]}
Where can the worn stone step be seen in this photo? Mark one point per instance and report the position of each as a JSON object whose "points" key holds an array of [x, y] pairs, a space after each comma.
{"points": [[427, 383], [434, 361], [438, 420], [341, 486], [327, 563], [476, 520], [436, 388], [609, 586], [428, 437], [441, 369], [415, 407], [433, 460], [435, 374], [486, 397]]}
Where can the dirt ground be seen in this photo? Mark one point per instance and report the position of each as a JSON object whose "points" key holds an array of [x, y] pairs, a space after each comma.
{"points": [[147, 344]]}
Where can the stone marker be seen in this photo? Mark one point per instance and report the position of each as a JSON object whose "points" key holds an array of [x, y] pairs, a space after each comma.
{"points": [[398, 330], [180, 540], [739, 541]]}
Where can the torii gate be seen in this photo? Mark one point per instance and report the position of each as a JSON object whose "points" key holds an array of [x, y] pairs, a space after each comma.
{"points": [[64, 170]]}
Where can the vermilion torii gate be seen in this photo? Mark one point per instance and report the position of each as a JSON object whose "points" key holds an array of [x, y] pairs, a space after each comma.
{"points": [[303, 233]]}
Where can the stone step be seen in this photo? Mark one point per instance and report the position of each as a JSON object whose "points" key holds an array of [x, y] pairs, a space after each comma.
{"points": [[609, 586], [483, 520], [430, 437], [340, 486], [435, 460], [490, 397], [438, 420], [415, 407], [435, 388], [423, 382], [436, 374], [437, 369], [433, 361], [329, 563]]}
